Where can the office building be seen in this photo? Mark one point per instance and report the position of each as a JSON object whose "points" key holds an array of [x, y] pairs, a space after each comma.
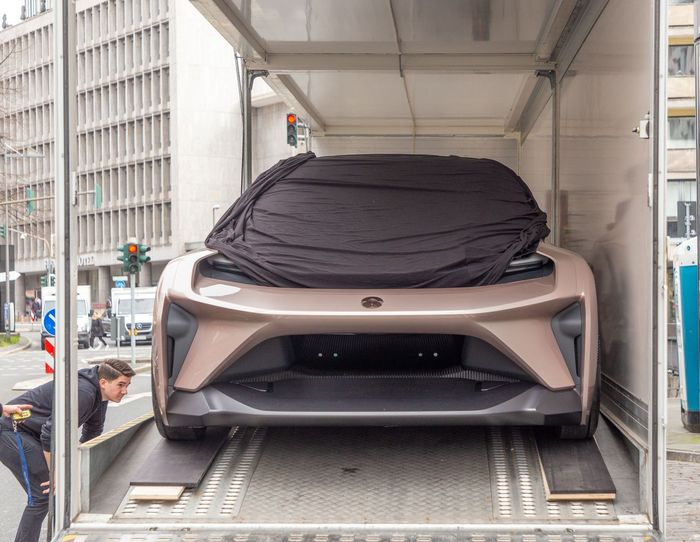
{"points": [[158, 131]]}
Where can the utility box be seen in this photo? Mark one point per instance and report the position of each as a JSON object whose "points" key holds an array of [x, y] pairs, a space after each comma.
{"points": [[685, 281]]}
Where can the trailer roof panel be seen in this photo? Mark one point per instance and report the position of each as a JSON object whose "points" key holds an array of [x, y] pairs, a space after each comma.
{"points": [[368, 26], [469, 64]]}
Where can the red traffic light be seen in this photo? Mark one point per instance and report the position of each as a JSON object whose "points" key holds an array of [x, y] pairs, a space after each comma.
{"points": [[133, 249], [291, 118]]}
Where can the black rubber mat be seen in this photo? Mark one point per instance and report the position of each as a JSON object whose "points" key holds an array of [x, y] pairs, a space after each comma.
{"points": [[573, 469], [183, 463]]}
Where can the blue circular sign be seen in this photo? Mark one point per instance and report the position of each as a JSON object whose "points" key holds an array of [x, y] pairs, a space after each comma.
{"points": [[49, 322]]}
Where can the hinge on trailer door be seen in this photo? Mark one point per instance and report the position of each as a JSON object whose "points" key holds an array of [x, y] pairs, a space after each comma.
{"points": [[643, 128]]}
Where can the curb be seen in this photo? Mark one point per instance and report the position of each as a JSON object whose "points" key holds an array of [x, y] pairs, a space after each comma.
{"points": [[31, 384], [24, 344], [683, 455]]}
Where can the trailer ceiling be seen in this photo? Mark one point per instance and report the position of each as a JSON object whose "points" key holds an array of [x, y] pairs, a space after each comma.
{"points": [[450, 67]]}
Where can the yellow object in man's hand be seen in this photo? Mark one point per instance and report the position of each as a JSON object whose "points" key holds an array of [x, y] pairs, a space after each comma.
{"points": [[21, 415]]}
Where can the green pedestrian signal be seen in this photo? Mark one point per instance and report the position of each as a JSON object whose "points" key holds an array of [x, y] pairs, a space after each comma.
{"points": [[44, 281], [143, 259], [124, 255]]}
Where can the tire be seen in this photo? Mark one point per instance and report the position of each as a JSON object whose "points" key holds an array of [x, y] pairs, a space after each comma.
{"points": [[174, 433], [583, 432]]}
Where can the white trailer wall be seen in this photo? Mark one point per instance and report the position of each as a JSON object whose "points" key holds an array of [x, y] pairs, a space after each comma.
{"points": [[606, 212], [536, 160]]}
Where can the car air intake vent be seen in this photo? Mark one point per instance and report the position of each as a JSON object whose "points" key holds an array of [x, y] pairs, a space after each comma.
{"points": [[528, 267], [221, 268], [450, 372]]}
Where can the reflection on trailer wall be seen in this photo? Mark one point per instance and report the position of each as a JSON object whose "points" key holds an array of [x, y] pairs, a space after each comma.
{"points": [[606, 213], [536, 160]]}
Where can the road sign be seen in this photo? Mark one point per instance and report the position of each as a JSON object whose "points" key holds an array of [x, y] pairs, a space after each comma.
{"points": [[48, 322], [14, 275], [51, 351], [120, 284]]}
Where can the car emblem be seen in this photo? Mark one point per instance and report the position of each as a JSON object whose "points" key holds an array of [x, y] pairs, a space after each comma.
{"points": [[372, 302], [139, 326]]}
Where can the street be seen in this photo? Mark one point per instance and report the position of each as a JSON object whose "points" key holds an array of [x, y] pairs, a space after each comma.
{"points": [[28, 365]]}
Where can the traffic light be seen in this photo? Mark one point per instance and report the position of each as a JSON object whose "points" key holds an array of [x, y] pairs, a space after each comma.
{"points": [[133, 252], [143, 259], [292, 130], [52, 280], [3, 231], [129, 257]]}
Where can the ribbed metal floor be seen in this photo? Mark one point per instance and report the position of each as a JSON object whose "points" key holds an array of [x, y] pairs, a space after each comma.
{"points": [[360, 476]]}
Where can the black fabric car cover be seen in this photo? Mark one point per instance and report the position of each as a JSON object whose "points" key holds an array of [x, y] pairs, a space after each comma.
{"points": [[380, 221]]}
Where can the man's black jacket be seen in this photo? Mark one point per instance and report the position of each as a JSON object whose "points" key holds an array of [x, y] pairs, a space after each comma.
{"points": [[91, 408]]}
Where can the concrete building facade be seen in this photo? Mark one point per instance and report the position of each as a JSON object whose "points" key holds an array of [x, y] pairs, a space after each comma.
{"points": [[159, 127]]}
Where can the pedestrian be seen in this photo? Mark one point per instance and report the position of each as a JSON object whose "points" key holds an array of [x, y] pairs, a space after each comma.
{"points": [[96, 329], [36, 307], [108, 381]]}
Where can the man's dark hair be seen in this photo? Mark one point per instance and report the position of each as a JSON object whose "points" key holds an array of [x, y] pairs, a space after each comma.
{"points": [[111, 369]]}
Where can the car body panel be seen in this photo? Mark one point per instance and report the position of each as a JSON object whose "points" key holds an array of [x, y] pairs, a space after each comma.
{"points": [[515, 318]]}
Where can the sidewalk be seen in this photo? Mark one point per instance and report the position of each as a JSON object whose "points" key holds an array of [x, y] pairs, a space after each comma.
{"points": [[23, 344], [681, 445]]}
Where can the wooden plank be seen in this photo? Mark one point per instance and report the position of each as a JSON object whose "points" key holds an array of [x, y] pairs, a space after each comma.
{"points": [[180, 463], [573, 470], [156, 493]]}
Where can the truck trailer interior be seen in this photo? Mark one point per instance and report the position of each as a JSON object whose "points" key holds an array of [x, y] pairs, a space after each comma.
{"points": [[567, 93]]}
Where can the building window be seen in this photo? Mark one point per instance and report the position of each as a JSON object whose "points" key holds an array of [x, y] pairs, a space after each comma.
{"points": [[681, 133], [681, 60], [680, 202]]}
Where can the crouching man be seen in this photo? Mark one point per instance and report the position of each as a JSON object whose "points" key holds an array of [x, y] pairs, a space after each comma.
{"points": [[108, 381]]}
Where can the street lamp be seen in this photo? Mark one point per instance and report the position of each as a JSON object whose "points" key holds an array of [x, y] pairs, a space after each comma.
{"points": [[213, 214], [6, 156]]}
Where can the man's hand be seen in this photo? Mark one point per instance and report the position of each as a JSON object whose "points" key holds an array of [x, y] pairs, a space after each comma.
{"points": [[9, 410], [47, 484]]}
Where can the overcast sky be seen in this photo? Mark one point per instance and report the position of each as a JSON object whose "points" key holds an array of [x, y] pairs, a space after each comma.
{"points": [[12, 9]]}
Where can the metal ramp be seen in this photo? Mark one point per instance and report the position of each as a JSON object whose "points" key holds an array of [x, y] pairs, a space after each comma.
{"points": [[372, 476], [364, 484]]}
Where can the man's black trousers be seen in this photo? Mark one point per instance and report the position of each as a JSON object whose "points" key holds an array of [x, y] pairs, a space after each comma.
{"points": [[30, 525]]}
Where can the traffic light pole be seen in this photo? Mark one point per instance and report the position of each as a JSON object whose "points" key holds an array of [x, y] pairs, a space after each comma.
{"points": [[132, 284]]}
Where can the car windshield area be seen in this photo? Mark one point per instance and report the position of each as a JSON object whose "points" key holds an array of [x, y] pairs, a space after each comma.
{"points": [[141, 306]]}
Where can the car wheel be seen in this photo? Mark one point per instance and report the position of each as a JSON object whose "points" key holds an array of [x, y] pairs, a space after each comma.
{"points": [[581, 432], [174, 433]]}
